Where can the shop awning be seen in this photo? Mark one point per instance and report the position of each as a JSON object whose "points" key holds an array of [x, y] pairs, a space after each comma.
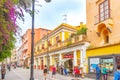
{"points": [[64, 60]]}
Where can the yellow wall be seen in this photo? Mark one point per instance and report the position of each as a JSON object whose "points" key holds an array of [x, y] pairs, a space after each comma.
{"points": [[113, 49], [60, 35], [92, 10], [66, 35], [78, 58]]}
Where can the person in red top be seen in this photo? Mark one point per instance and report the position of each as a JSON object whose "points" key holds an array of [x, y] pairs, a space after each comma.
{"points": [[53, 71], [77, 72]]}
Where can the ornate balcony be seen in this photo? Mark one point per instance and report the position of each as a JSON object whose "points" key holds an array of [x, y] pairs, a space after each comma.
{"points": [[105, 15], [64, 44]]}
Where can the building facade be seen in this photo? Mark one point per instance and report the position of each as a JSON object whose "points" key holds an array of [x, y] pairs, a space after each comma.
{"points": [[26, 43], [103, 23], [62, 46]]}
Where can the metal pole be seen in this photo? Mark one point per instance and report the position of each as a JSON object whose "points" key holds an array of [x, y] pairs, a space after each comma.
{"points": [[47, 53], [32, 43]]}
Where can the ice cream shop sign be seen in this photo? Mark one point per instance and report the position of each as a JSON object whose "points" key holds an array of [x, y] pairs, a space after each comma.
{"points": [[68, 56]]}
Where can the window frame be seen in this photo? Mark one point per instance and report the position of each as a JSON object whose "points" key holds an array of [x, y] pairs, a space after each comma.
{"points": [[104, 10]]}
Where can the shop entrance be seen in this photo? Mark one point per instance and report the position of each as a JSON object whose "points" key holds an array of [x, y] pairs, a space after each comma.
{"points": [[69, 65]]}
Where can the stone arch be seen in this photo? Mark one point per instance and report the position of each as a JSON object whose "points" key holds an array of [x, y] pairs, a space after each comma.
{"points": [[103, 30]]}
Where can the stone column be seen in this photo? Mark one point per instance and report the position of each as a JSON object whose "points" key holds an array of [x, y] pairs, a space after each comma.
{"points": [[60, 58], [83, 59], [44, 61], [75, 59], [39, 63], [50, 60]]}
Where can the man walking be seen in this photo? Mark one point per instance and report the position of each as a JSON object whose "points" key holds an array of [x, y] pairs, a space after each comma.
{"points": [[97, 70], [3, 71]]}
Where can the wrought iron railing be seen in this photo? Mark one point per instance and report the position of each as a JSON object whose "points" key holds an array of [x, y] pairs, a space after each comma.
{"points": [[106, 14]]}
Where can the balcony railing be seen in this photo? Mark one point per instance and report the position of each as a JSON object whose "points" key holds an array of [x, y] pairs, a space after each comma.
{"points": [[106, 14], [65, 43]]}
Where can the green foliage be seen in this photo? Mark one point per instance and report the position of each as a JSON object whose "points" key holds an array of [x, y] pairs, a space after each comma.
{"points": [[7, 30], [83, 30], [8, 27]]}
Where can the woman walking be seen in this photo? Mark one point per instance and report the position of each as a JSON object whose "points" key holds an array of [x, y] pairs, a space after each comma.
{"points": [[53, 71], [104, 73], [3, 71], [45, 72]]}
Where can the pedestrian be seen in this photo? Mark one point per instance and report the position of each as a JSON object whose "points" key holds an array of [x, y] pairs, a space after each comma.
{"points": [[53, 71], [104, 71], [9, 67], [65, 71], [61, 69], [77, 72], [45, 72], [98, 72], [117, 73], [3, 71], [74, 71]]}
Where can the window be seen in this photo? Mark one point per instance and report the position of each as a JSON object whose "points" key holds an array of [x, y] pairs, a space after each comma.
{"points": [[42, 46], [104, 10], [57, 38], [93, 61], [106, 39], [49, 44], [108, 63]]}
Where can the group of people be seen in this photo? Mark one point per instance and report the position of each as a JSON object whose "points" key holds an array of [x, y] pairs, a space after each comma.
{"points": [[3, 69], [104, 73], [45, 71]]}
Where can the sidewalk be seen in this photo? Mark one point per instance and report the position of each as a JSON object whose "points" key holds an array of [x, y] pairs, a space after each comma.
{"points": [[24, 74], [63, 77]]}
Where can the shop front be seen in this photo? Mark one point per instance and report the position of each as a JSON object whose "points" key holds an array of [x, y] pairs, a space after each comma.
{"points": [[68, 61], [109, 61]]}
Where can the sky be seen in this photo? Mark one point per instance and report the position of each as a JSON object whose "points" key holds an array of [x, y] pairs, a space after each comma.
{"points": [[50, 15]]}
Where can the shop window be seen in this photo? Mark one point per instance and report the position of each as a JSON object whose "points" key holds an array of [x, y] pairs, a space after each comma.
{"points": [[93, 62], [104, 10], [108, 63]]}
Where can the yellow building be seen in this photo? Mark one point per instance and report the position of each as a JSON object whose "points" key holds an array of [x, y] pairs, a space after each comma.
{"points": [[62, 46], [103, 20]]}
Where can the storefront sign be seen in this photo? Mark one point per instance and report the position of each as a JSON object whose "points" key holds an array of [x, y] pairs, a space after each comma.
{"points": [[68, 56]]}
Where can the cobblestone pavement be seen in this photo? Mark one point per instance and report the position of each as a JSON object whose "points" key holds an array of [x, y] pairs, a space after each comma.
{"points": [[24, 74]]}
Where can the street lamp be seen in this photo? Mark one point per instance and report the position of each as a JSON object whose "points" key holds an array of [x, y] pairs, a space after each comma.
{"points": [[47, 53], [32, 40]]}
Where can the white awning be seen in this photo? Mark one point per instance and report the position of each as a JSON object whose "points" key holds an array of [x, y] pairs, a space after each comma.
{"points": [[64, 60]]}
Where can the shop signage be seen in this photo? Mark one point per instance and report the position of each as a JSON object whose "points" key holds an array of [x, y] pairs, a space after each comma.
{"points": [[68, 56]]}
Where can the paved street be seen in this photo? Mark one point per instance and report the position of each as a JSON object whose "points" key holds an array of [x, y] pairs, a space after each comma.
{"points": [[24, 74]]}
